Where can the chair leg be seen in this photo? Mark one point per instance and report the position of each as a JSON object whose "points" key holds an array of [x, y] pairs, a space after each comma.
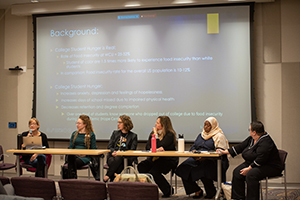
{"points": [[61, 172], [285, 185], [261, 193], [89, 172], [46, 171], [175, 183], [266, 188], [171, 181], [172, 172]]}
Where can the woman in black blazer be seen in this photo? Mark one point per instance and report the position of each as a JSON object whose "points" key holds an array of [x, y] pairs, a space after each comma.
{"points": [[121, 140], [157, 166], [261, 160]]}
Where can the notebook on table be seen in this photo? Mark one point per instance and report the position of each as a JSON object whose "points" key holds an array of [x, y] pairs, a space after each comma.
{"points": [[33, 143]]}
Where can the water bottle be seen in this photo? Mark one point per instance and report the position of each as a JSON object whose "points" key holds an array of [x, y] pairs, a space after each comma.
{"points": [[180, 143], [153, 144]]}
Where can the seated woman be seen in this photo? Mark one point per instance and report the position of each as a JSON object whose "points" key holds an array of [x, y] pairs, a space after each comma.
{"points": [[157, 166], [83, 138], [205, 169], [38, 161], [121, 140], [261, 160]]}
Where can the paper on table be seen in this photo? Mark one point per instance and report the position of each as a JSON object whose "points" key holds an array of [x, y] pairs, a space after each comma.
{"points": [[142, 151]]}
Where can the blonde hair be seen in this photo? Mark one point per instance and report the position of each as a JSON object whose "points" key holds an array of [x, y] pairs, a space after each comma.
{"points": [[88, 130], [34, 120]]}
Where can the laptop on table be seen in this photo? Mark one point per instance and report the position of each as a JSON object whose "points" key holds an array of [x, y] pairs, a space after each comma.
{"points": [[33, 143]]}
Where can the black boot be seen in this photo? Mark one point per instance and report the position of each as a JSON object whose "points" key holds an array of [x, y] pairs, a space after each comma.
{"points": [[209, 188], [72, 174], [40, 170], [72, 170]]}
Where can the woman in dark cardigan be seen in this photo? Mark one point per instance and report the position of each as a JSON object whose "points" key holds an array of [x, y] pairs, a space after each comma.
{"points": [[121, 140], [36, 160], [261, 160], [157, 166]]}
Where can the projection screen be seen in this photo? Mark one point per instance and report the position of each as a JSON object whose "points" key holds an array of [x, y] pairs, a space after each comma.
{"points": [[187, 63]]}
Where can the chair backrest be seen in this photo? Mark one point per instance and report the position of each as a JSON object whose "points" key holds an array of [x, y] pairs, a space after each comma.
{"points": [[1, 153], [4, 180], [76, 189], [34, 187], [132, 190], [282, 156], [19, 141]]}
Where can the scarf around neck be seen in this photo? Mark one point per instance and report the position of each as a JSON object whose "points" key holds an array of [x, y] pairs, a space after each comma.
{"points": [[216, 133]]}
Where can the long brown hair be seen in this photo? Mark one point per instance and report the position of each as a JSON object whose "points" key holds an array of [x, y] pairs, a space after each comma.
{"points": [[88, 130], [167, 126]]}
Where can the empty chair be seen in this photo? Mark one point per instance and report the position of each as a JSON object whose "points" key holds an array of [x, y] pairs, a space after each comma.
{"points": [[4, 180], [30, 168], [34, 187], [3, 165], [132, 190], [282, 155], [76, 189]]}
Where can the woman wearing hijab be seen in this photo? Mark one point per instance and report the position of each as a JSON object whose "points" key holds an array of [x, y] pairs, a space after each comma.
{"points": [[205, 169]]}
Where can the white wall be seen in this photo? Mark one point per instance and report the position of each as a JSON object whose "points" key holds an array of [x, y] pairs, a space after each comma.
{"points": [[276, 61]]}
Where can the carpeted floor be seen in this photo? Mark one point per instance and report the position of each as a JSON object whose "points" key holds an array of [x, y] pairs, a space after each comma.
{"points": [[280, 194]]}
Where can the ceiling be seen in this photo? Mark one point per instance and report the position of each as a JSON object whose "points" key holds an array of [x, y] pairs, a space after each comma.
{"points": [[5, 4]]}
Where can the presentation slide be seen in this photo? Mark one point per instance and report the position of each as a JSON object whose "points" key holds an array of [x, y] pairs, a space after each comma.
{"points": [[186, 63]]}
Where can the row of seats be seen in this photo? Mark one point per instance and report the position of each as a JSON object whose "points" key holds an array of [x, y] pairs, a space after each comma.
{"points": [[76, 189]]}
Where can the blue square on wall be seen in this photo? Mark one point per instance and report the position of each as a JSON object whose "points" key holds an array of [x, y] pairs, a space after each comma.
{"points": [[12, 124]]}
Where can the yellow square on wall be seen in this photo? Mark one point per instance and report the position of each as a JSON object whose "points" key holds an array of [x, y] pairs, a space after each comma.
{"points": [[212, 23]]}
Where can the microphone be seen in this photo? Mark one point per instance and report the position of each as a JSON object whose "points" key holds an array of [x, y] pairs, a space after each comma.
{"points": [[30, 132]]}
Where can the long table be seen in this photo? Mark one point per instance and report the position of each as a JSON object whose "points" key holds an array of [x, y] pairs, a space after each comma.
{"points": [[55, 151], [180, 154]]}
